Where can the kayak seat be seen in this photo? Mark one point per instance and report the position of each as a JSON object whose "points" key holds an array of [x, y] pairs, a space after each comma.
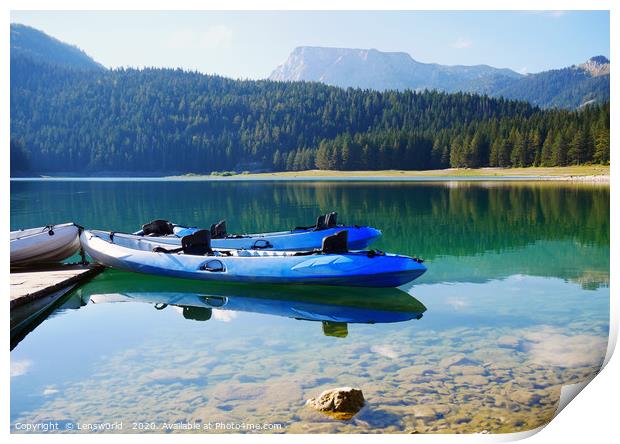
{"points": [[331, 219], [158, 227], [218, 230], [336, 243], [197, 244], [323, 222], [320, 223], [197, 313]]}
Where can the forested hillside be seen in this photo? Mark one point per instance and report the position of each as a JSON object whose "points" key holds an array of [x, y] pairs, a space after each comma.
{"points": [[558, 88], [30, 42], [172, 121]]}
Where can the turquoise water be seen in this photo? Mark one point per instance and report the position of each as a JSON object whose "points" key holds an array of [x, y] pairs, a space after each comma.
{"points": [[515, 304]]}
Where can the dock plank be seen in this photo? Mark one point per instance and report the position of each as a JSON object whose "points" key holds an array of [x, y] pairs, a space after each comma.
{"points": [[27, 286]]}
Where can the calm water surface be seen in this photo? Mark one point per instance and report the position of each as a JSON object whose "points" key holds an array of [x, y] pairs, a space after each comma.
{"points": [[515, 304]]}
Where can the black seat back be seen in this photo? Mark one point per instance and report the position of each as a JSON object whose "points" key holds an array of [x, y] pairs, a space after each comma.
{"points": [[320, 223], [218, 230], [157, 227], [331, 219], [197, 313], [336, 243], [197, 244]]}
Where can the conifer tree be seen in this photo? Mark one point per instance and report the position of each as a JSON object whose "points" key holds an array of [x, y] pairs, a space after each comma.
{"points": [[322, 156], [559, 151], [577, 149], [546, 155], [601, 147]]}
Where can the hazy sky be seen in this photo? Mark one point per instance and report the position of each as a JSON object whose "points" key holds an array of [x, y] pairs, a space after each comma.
{"points": [[252, 44]]}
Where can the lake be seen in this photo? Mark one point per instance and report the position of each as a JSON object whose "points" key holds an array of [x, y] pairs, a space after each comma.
{"points": [[515, 304]]}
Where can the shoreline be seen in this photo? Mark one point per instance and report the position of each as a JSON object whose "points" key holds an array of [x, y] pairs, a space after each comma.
{"points": [[583, 174]]}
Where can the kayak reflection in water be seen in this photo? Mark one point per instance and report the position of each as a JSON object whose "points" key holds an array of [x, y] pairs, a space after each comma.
{"points": [[333, 307]]}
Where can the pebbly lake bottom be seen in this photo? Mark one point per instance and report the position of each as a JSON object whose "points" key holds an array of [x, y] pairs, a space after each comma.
{"points": [[475, 361], [515, 304]]}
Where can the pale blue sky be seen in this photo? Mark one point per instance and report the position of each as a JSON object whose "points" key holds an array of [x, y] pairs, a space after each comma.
{"points": [[252, 44]]}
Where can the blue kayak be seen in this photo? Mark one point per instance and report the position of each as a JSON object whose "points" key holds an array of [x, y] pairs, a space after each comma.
{"points": [[297, 239], [333, 264]]}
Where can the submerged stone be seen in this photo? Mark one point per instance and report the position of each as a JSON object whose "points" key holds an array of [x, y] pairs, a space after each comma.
{"points": [[467, 370], [424, 412], [525, 397], [413, 372], [508, 342], [458, 359], [340, 403], [471, 380]]}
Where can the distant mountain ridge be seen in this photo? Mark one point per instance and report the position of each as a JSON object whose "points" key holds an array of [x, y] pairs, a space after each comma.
{"points": [[372, 69], [37, 45]]}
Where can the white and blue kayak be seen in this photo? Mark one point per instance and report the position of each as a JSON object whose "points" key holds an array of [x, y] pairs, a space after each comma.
{"points": [[297, 239], [195, 259], [44, 245]]}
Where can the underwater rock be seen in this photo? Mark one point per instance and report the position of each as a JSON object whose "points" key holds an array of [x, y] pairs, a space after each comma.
{"points": [[458, 359], [462, 419], [424, 412], [467, 370], [508, 342], [413, 372], [340, 403], [525, 397], [471, 380]]}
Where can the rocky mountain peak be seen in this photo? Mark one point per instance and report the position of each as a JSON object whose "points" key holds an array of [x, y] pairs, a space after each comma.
{"points": [[596, 66]]}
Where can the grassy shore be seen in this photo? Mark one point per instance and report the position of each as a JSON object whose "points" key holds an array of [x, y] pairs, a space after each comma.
{"points": [[581, 172]]}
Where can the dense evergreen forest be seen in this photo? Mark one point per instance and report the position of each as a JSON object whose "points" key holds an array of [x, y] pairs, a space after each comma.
{"points": [[172, 121]]}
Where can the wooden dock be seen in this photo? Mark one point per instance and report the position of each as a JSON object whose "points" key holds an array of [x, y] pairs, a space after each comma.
{"points": [[30, 285]]}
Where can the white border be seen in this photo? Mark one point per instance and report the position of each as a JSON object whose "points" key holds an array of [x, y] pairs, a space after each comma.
{"points": [[591, 418]]}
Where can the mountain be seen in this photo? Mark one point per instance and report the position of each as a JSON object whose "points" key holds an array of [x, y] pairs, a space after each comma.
{"points": [[596, 66], [373, 69], [35, 44], [91, 120], [569, 87]]}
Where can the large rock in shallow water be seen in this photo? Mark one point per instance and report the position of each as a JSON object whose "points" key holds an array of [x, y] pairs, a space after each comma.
{"points": [[340, 403]]}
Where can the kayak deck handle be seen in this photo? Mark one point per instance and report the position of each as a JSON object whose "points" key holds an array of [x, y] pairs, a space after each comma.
{"points": [[261, 244], [214, 265]]}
